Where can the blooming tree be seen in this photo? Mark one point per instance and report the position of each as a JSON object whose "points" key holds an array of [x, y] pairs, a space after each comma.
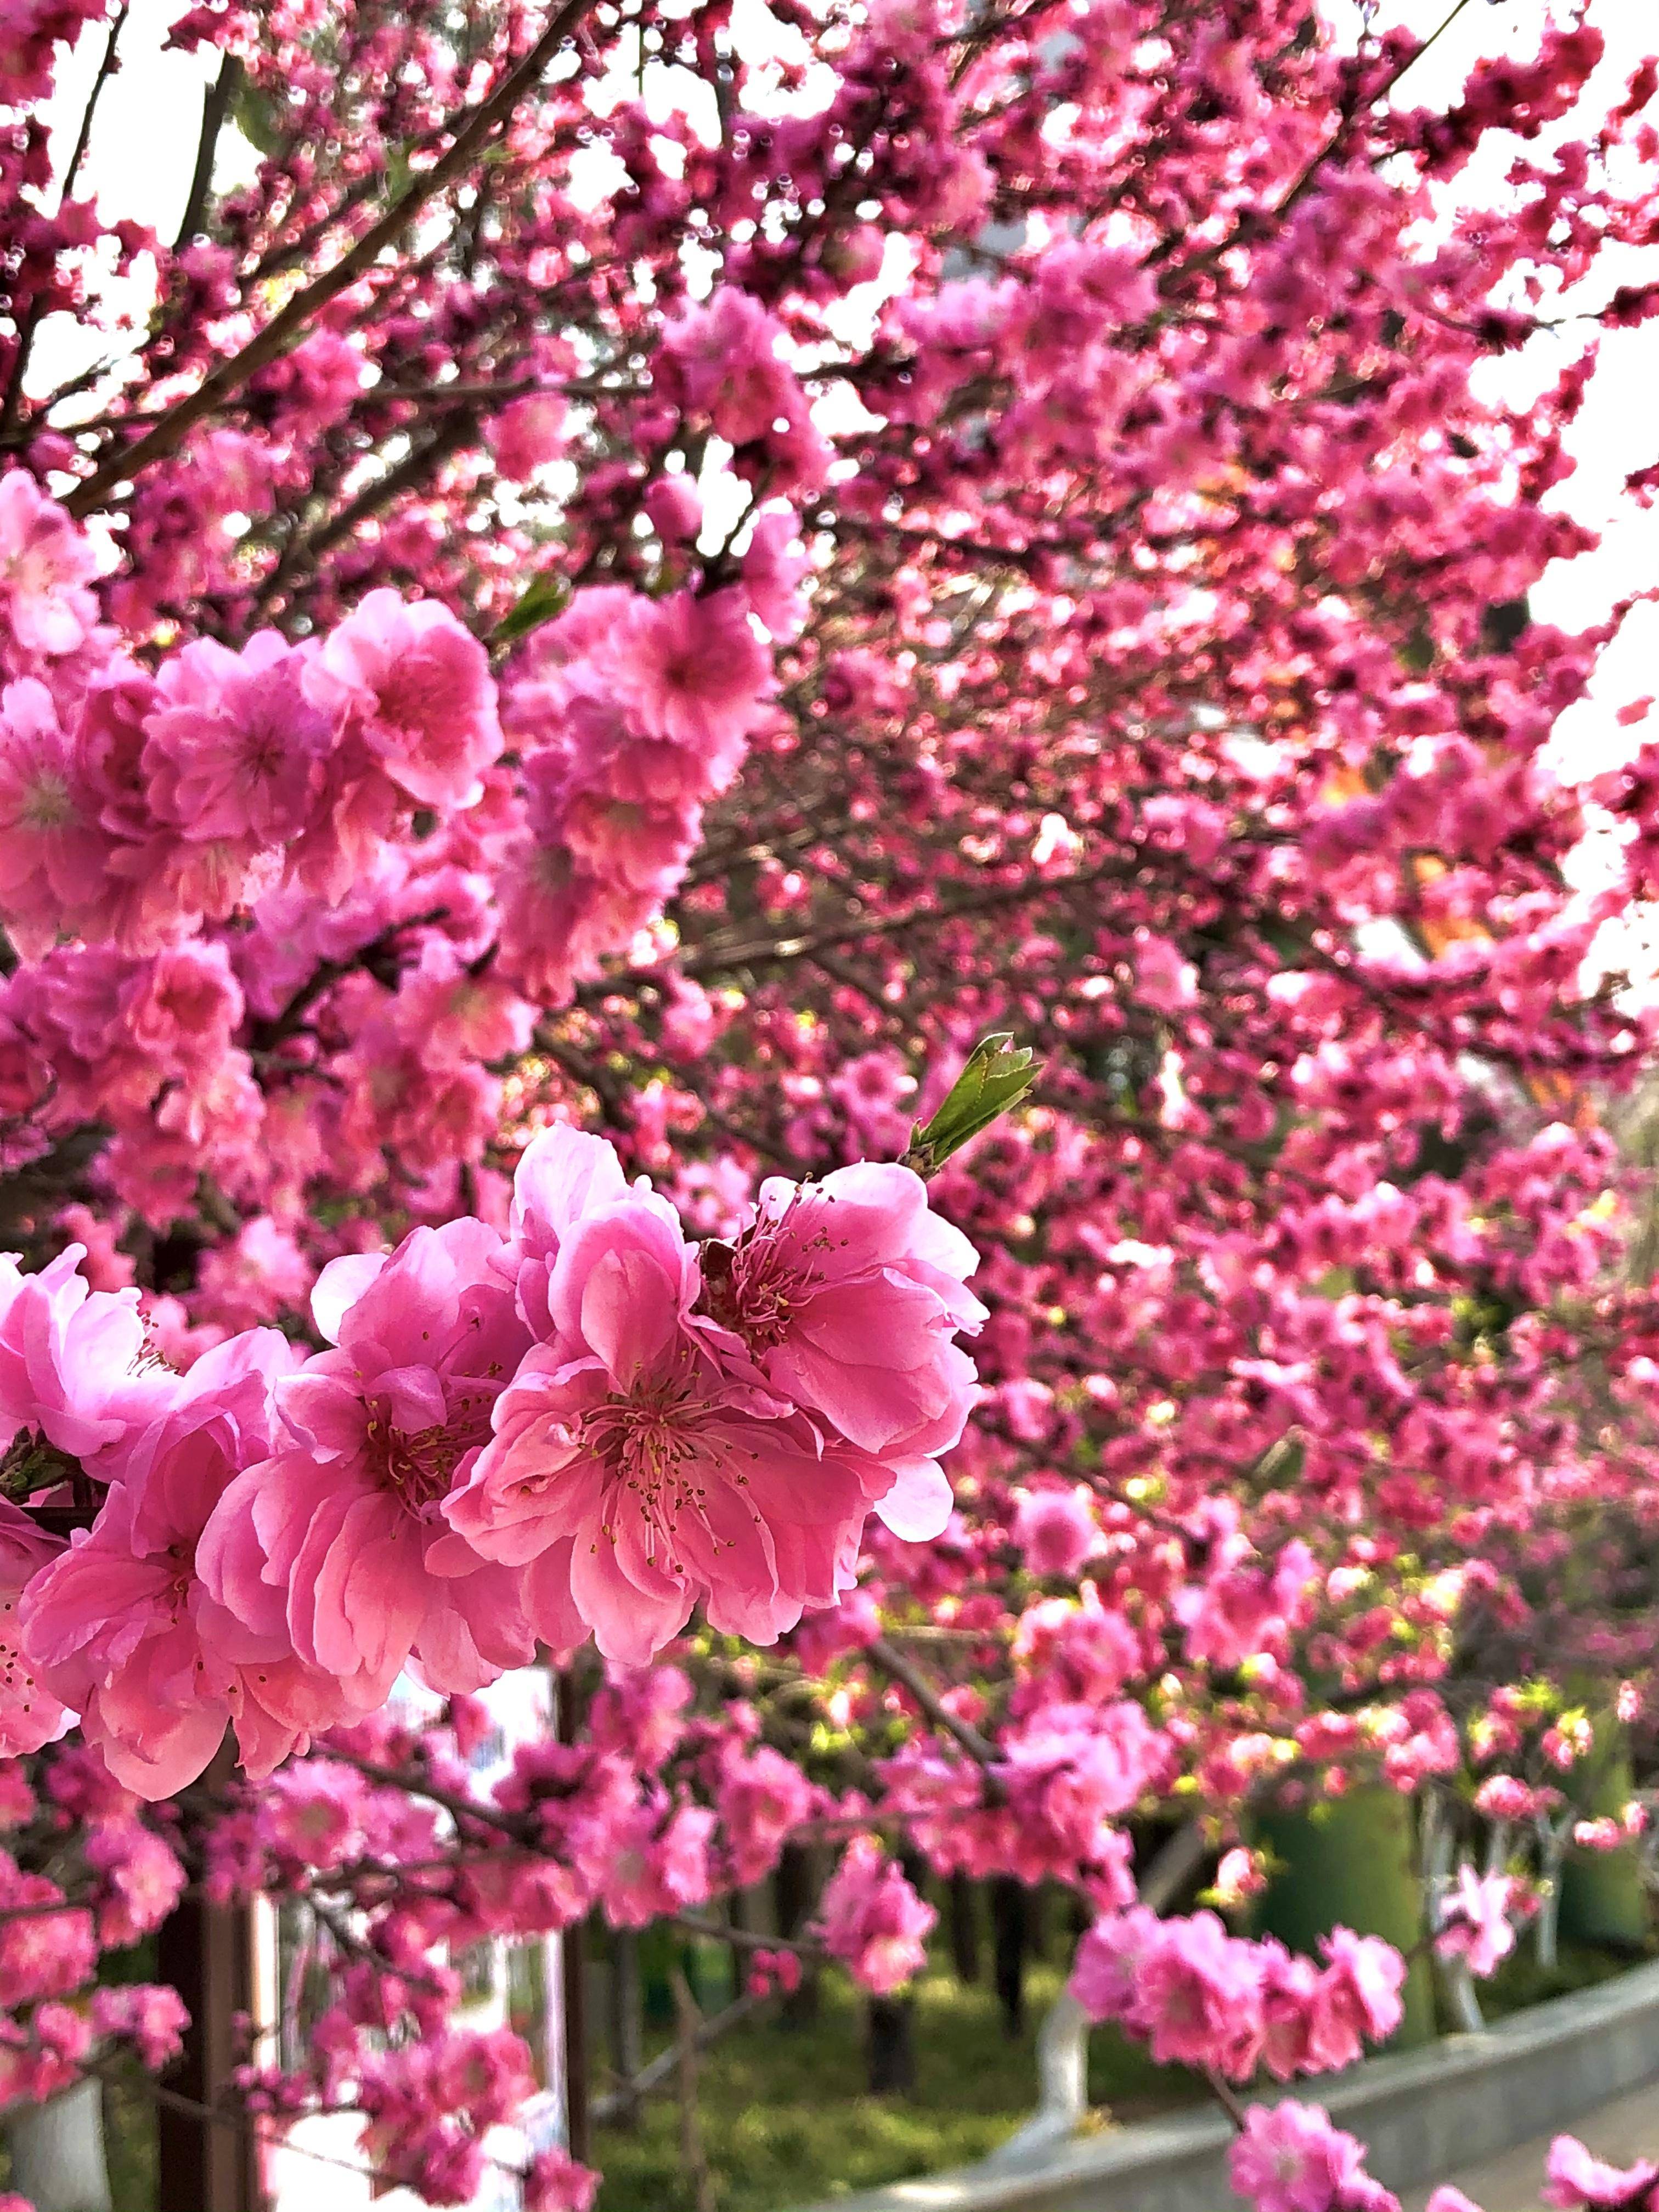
{"points": [[652, 578]]}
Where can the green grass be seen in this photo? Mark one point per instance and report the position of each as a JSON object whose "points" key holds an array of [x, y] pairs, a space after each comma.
{"points": [[785, 2119]]}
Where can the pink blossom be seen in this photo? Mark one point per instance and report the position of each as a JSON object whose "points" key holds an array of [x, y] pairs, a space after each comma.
{"points": [[693, 672], [52, 854], [528, 433], [872, 1919], [1574, 2177], [1475, 1922], [1200, 1993], [1356, 2000], [847, 1293], [339, 1541], [1289, 2158], [234, 747], [556, 2183], [1107, 1973], [633, 1454], [74, 1363], [46, 566], [29, 1715], [120, 1627], [725, 352], [150, 2017], [1054, 1530], [418, 689], [141, 1880]]}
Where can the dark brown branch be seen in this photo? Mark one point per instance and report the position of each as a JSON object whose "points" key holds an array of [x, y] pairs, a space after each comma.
{"points": [[216, 99], [106, 69]]}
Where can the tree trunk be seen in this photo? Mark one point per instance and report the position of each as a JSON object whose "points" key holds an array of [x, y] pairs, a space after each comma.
{"points": [[627, 2019], [962, 1920], [889, 2045], [796, 1893], [205, 1952], [57, 2152], [1008, 1924]]}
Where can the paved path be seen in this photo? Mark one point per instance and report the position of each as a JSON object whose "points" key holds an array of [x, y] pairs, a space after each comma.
{"points": [[1622, 2130]]}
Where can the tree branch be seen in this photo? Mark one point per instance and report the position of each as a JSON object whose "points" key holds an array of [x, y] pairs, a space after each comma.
{"points": [[215, 107], [229, 378]]}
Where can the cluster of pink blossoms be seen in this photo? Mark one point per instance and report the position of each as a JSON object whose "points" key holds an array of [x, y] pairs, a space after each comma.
{"points": [[186, 849], [587, 1425], [1199, 1996]]}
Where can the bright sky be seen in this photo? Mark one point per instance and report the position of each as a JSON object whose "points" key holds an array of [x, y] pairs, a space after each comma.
{"points": [[144, 149]]}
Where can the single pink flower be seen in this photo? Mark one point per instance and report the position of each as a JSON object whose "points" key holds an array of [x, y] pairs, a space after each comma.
{"points": [[693, 672], [1475, 1924], [1356, 1999], [74, 1363], [1289, 2158], [847, 1294], [873, 1920], [631, 1447], [234, 748], [338, 1539], [46, 566], [29, 1715], [119, 1626], [52, 853], [1575, 2177], [419, 689]]}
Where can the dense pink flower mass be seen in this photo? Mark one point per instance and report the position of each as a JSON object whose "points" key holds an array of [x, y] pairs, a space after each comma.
{"points": [[578, 685], [507, 1440]]}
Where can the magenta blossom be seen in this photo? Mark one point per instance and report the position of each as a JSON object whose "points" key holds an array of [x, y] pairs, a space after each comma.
{"points": [[1290, 2159], [1474, 1923], [29, 1715], [75, 1363], [637, 1447], [45, 567]]}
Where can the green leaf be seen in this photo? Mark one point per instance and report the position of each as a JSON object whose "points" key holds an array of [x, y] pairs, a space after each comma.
{"points": [[998, 1075], [542, 598]]}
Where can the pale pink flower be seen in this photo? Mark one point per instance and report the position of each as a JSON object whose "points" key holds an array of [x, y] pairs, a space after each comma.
{"points": [[527, 434], [849, 1293], [1575, 2177], [1290, 2159], [1054, 1530], [721, 354], [1475, 1921], [1110, 1958], [420, 692], [75, 1363], [1202, 1992], [1356, 2000], [46, 566], [29, 1715], [339, 1536]]}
